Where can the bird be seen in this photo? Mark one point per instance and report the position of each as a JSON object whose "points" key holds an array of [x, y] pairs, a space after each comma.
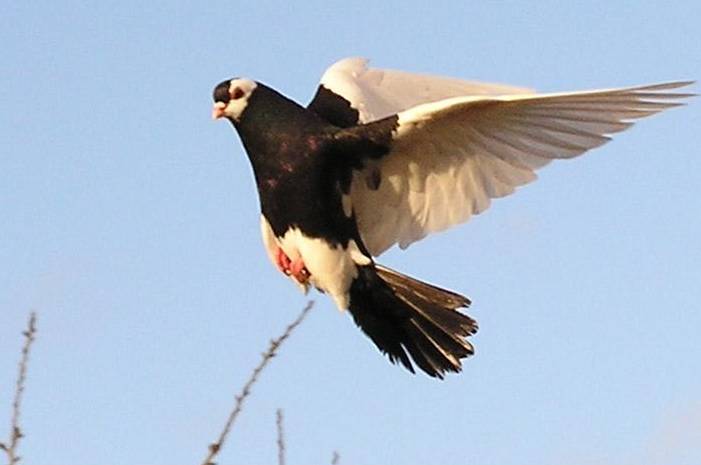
{"points": [[382, 158]]}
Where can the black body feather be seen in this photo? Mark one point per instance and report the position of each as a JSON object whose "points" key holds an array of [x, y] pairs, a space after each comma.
{"points": [[408, 319]]}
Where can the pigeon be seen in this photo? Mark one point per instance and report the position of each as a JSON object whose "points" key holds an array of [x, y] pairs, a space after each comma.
{"points": [[383, 157]]}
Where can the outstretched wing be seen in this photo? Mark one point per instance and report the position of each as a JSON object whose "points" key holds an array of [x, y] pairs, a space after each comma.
{"points": [[350, 92], [447, 159]]}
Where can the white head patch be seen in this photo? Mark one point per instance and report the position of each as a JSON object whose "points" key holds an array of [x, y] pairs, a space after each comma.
{"points": [[240, 91]]}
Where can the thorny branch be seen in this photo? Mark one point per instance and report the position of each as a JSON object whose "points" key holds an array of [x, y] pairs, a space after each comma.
{"points": [[268, 355], [280, 438], [16, 434]]}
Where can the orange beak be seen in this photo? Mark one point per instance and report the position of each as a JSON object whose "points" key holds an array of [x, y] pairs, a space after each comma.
{"points": [[218, 110]]}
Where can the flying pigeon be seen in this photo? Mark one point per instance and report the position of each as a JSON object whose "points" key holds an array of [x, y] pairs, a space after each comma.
{"points": [[383, 157]]}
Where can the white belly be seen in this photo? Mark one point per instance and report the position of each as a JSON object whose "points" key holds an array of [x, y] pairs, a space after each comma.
{"points": [[331, 268]]}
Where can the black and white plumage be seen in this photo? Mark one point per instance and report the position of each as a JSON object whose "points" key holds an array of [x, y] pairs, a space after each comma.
{"points": [[383, 157]]}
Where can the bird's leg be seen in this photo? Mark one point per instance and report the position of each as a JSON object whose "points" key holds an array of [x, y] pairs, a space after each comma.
{"points": [[296, 268], [299, 270], [283, 261]]}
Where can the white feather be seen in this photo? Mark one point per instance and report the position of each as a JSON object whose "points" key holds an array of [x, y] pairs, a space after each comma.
{"points": [[235, 107], [272, 245], [449, 158], [377, 93], [331, 267]]}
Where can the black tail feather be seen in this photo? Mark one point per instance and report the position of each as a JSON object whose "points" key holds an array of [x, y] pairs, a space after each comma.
{"points": [[401, 314]]}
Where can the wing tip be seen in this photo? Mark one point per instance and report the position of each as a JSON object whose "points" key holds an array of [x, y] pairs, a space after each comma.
{"points": [[355, 64], [665, 85]]}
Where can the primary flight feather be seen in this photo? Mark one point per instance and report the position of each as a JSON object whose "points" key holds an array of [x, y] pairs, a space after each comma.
{"points": [[383, 157]]}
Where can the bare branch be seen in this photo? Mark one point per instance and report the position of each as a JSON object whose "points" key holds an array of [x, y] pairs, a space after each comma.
{"points": [[280, 438], [335, 459], [268, 355], [15, 431]]}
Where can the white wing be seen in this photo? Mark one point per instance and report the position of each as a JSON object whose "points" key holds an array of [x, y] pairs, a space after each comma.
{"points": [[449, 158], [377, 93]]}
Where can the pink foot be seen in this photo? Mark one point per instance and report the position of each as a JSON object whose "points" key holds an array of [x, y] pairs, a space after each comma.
{"points": [[299, 270], [283, 261], [296, 269]]}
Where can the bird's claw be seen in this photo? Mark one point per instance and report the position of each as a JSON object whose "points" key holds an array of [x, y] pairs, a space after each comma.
{"points": [[283, 261], [297, 269]]}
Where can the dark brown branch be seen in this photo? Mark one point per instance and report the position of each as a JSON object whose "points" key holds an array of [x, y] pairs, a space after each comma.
{"points": [[268, 355], [280, 438], [16, 434]]}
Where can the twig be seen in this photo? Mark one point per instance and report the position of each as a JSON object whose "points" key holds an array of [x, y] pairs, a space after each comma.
{"points": [[280, 438], [335, 459], [268, 355], [15, 431]]}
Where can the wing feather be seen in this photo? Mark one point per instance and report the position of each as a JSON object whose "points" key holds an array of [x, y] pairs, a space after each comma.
{"points": [[377, 93], [450, 157]]}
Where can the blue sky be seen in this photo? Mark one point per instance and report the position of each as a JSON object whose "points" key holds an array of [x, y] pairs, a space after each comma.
{"points": [[130, 224]]}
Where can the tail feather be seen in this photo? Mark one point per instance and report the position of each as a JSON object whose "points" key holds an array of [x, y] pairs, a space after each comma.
{"points": [[427, 354], [443, 297], [449, 320], [403, 315]]}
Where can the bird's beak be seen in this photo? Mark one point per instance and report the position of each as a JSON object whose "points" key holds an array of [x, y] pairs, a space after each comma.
{"points": [[218, 110]]}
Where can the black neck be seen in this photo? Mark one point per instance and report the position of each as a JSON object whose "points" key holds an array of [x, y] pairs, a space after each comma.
{"points": [[271, 122]]}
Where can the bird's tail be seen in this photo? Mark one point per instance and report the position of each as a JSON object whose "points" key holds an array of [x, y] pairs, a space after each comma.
{"points": [[402, 314]]}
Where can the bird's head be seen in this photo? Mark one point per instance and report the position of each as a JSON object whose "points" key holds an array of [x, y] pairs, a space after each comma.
{"points": [[231, 98]]}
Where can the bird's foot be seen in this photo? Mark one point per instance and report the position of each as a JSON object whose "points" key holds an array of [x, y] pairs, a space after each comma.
{"points": [[283, 261], [297, 269]]}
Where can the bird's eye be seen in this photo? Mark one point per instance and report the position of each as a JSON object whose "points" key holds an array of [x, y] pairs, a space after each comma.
{"points": [[237, 94]]}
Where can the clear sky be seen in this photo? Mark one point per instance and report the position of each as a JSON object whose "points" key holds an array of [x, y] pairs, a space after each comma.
{"points": [[129, 222]]}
